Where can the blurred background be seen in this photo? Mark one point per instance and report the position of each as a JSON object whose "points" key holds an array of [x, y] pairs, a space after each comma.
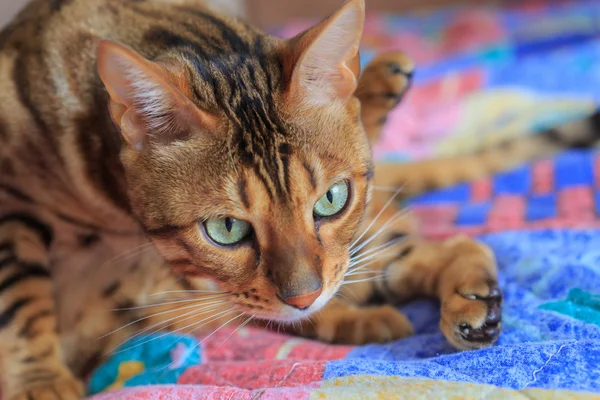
{"points": [[487, 70], [269, 13]]}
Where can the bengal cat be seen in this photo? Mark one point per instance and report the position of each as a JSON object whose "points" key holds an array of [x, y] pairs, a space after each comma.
{"points": [[158, 147]]}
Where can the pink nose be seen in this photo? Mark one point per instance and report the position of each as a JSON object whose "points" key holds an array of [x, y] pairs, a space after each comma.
{"points": [[303, 301]]}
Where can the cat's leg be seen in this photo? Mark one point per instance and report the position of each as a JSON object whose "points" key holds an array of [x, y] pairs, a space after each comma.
{"points": [[381, 87], [461, 272], [31, 359], [343, 321]]}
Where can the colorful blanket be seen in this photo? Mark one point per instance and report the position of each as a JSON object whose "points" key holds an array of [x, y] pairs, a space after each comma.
{"points": [[484, 74]]}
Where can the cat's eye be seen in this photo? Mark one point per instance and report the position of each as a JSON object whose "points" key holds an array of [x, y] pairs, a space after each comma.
{"points": [[333, 201], [227, 231]]}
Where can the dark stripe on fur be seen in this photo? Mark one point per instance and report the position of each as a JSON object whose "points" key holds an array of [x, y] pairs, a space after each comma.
{"points": [[248, 103], [203, 41], [312, 177], [44, 231], [58, 4], [27, 330], [111, 289], [243, 191], [23, 85], [8, 315], [38, 357], [230, 37], [3, 130], [167, 230], [17, 194], [285, 160], [180, 262], [38, 376], [26, 271], [10, 260], [7, 246], [100, 150]]}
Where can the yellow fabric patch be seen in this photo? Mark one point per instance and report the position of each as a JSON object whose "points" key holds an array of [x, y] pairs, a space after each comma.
{"points": [[127, 370], [361, 387]]}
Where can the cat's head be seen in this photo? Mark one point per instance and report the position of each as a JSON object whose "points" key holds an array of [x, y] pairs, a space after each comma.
{"points": [[248, 166]]}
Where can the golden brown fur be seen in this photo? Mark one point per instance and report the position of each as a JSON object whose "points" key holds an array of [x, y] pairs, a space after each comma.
{"points": [[123, 122]]}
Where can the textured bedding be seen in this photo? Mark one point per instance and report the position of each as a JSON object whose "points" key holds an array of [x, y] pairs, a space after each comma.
{"points": [[484, 75]]}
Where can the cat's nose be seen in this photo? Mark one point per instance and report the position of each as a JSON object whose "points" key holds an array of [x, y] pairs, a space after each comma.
{"points": [[302, 301]]}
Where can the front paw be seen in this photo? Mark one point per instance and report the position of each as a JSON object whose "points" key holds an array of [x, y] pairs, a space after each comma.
{"points": [[472, 316], [358, 326], [65, 388]]}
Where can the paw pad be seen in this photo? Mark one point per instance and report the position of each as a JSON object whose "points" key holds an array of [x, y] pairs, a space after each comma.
{"points": [[489, 332]]}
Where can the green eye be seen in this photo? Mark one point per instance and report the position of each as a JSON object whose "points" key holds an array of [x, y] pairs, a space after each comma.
{"points": [[333, 201], [227, 231]]}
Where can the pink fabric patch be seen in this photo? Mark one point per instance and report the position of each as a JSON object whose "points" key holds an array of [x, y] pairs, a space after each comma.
{"points": [[204, 392], [543, 177], [254, 375], [418, 124], [257, 344], [576, 202], [481, 190], [507, 213]]}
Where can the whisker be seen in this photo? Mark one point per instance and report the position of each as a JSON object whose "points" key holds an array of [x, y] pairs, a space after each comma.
{"points": [[150, 316], [383, 246], [377, 216], [370, 259], [211, 318], [237, 329], [350, 291], [342, 297], [373, 278], [188, 292], [128, 254], [394, 218], [201, 310], [205, 338], [360, 271], [167, 303]]}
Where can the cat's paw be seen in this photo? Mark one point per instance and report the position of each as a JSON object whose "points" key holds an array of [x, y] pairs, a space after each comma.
{"points": [[472, 316], [66, 388], [363, 325], [384, 81]]}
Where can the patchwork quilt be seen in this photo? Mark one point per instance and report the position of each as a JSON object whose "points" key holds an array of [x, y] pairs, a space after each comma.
{"points": [[484, 74]]}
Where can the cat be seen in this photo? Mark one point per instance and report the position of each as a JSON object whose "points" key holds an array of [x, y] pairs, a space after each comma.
{"points": [[192, 172]]}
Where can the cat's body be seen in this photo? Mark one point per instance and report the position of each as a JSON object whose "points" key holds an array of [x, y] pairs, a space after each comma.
{"points": [[253, 127]]}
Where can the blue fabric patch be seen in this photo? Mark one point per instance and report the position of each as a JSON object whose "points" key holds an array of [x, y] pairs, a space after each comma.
{"points": [[537, 348], [574, 169], [541, 207], [455, 194], [165, 356], [473, 214], [579, 304], [514, 182]]}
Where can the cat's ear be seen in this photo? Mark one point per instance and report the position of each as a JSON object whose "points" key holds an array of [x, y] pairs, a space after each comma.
{"points": [[145, 102], [326, 60]]}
